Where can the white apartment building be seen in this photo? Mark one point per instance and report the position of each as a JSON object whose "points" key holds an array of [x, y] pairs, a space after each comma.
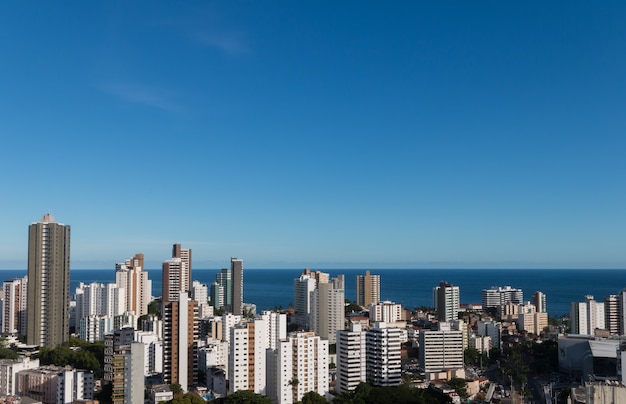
{"points": [[246, 364], [386, 312], [9, 369], [328, 309], [498, 296], [54, 384], [446, 299], [491, 329], [276, 329], [299, 365], [14, 306], [93, 328], [481, 344], [383, 349], [351, 358], [587, 316], [153, 352], [303, 287], [441, 351], [133, 279], [213, 354]]}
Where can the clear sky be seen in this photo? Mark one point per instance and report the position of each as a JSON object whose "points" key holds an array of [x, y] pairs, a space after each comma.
{"points": [[295, 134]]}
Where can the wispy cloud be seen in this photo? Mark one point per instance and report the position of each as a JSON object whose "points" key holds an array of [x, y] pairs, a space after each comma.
{"points": [[229, 43], [140, 94]]}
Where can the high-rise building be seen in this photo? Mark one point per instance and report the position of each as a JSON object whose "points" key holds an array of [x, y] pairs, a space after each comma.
{"points": [[351, 358], [612, 314], [180, 347], [236, 267], [387, 312], [441, 351], [128, 364], [9, 369], [217, 295], [48, 283], [14, 309], [248, 344], [303, 288], [299, 365], [132, 278], [176, 273], [447, 301], [328, 309], [498, 296], [540, 302], [185, 255], [55, 384], [367, 289], [587, 316], [383, 346]]}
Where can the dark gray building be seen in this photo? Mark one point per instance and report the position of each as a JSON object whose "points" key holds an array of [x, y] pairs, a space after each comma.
{"points": [[48, 283]]}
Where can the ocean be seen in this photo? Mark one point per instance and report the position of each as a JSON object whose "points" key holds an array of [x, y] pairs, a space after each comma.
{"points": [[269, 288]]}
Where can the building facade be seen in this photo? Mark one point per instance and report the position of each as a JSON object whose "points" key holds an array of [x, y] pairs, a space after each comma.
{"points": [[367, 289], [49, 283]]}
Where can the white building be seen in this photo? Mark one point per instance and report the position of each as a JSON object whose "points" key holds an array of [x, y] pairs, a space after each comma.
{"points": [[303, 288], [246, 364], [446, 299], [351, 358], [328, 309], [213, 354], [491, 329], [441, 352], [14, 306], [133, 279], [53, 384], [153, 352], [93, 328], [299, 365], [276, 327], [383, 350], [481, 344], [586, 316], [8, 373], [498, 296], [386, 311]]}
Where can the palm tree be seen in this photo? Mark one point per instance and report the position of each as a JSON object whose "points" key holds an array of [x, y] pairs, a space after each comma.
{"points": [[294, 388]]}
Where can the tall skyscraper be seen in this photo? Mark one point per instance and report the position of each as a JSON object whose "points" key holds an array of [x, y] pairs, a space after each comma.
{"points": [[236, 267], [612, 314], [367, 289], [351, 358], [131, 277], [328, 309], [540, 302], [448, 298], [297, 366], [180, 342], [383, 346], [303, 287], [48, 283], [176, 275]]}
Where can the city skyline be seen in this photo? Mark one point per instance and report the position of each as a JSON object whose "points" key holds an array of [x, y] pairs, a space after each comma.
{"points": [[309, 136]]}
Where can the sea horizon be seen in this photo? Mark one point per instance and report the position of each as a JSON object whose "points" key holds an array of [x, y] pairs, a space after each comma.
{"points": [[272, 288]]}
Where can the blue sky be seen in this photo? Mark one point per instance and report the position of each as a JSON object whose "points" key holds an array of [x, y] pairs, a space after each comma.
{"points": [[317, 134]]}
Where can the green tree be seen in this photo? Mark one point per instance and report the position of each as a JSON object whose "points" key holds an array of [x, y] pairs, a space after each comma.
{"points": [[247, 397], [313, 398], [176, 388], [189, 398], [459, 385]]}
